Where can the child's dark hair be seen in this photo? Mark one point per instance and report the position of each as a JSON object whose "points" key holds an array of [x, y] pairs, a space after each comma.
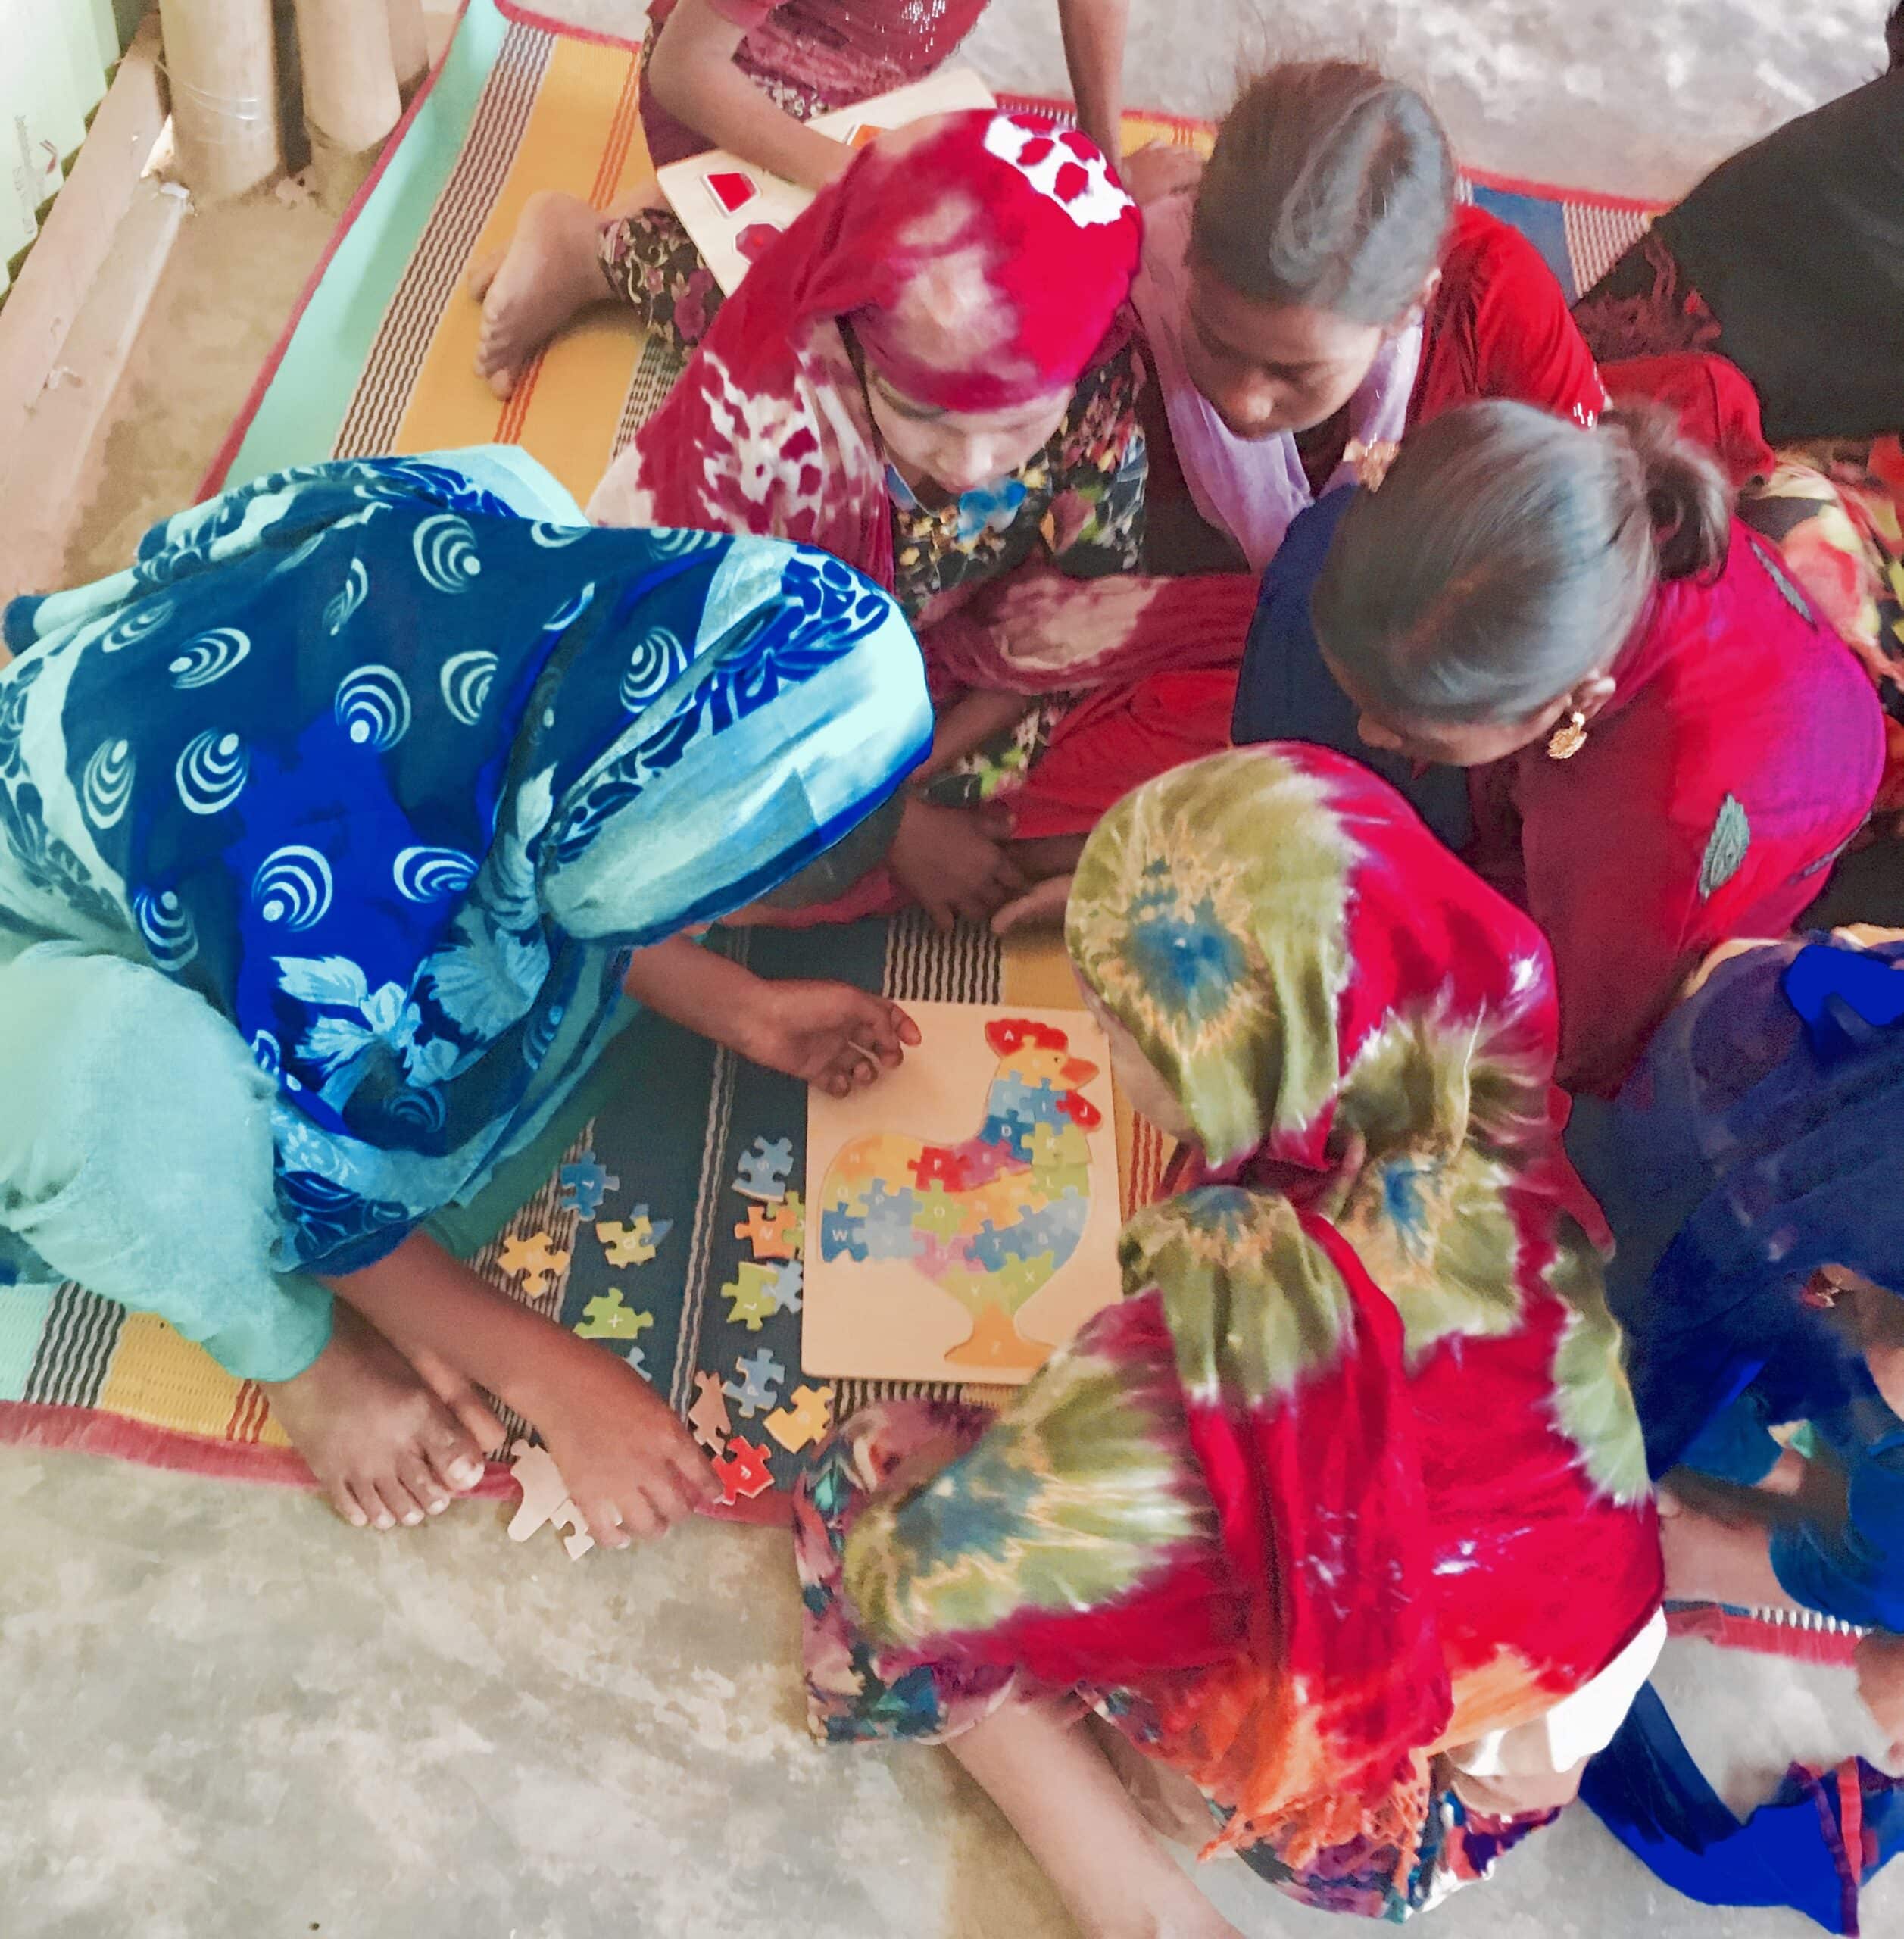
{"points": [[1331, 186], [1508, 554], [1894, 37]]}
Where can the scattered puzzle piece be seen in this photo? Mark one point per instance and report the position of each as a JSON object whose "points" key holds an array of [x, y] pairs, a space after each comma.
{"points": [[776, 1230], [752, 1300], [742, 1471], [763, 1168], [536, 1260], [789, 1282], [708, 1416], [802, 1424], [584, 1184], [610, 1317], [759, 1386], [634, 1243], [545, 1500]]}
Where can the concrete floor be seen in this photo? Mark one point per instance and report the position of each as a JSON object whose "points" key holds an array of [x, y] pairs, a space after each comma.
{"points": [[225, 1715]]}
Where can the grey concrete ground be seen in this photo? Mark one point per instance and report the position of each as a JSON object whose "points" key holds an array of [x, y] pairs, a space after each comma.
{"points": [[223, 1715]]}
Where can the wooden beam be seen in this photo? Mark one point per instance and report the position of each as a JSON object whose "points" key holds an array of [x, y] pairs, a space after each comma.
{"points": [[79, 234]]}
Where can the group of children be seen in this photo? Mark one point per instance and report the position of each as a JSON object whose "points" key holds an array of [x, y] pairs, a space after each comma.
{"points": [[1401, 694]]}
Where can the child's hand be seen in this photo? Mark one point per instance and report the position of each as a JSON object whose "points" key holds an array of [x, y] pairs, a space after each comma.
{"points": [[828, 1033], [952, 861], [629, 1464]]}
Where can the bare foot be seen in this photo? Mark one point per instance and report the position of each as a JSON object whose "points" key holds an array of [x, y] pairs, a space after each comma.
{"points": [[383, 1446], [630, 1467], [551, 269]]}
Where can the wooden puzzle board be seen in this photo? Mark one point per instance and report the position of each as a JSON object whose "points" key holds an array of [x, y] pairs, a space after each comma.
{"points": [[962, 1214], [732, 209]]}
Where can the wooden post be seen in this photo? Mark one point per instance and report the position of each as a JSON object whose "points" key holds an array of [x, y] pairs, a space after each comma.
{"points": [[351, 98], [409, 45], [221, 59]]}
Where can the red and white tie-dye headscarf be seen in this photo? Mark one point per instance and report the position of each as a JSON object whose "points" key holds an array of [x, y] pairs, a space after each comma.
{"points": [[980, 260]]}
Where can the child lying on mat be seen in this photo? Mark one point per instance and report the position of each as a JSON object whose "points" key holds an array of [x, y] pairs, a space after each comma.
{"points": [[336, 838], [745, 75]]}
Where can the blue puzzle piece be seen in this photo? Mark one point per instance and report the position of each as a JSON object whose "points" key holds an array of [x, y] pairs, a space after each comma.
{"points": [[841, 1233], [890, 1230], [584, 1184], [1030, 1103], [789, 1282], [1054, 1227], [763, 1167], [1013, 1134], [759, 1386]]}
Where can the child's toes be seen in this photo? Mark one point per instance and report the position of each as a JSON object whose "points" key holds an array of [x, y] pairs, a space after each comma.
{"points": [[423, 1488]]}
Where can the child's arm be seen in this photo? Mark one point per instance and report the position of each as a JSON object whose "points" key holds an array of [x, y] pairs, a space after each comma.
{"points": [[1094, 50], [694, 77], [966, 725], [828, 1033], [630, 1464]]}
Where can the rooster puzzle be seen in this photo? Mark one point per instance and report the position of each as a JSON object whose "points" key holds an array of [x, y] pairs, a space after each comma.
{"points": [[963, 1212]]}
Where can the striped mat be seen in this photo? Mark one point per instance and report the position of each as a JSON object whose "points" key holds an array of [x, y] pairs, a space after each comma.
{"points": [[377, 358]]}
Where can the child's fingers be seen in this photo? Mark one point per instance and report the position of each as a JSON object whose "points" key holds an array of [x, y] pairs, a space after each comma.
{"points": [[904, 1029]]}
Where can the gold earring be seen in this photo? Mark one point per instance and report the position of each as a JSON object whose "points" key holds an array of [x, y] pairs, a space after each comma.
{"points": [[1565, 742]]}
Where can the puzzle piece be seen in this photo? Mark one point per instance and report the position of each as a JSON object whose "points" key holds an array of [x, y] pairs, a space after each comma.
{"points": [[584, 1184], [789, 1282], [635, 1242], [1018, 1279], [938, 1212], [1063, 1145], [708, 1416], [775, 1232], [536, 1260], [803, 1423], [761, 1374], [840, 1232], [752, 1300], [742, 1471], [545, 1500], [939, 1164], [889, 1228], [763, 1168], [1030, 1103], [1010, 1137], [609, 1317]]}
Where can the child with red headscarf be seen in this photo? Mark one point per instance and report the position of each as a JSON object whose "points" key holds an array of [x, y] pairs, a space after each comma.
{"points": [[898, 381]]}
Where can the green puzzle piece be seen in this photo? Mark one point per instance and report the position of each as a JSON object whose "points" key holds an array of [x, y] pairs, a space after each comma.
{"points": [[752, 1300], [608, 1316]]}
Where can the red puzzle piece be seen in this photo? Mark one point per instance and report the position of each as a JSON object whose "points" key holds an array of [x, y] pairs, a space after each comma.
{"points": [[742, 1471], [755, 238]]}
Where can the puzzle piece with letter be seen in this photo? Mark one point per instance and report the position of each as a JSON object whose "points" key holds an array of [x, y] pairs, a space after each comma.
{"points": [[759, 1385], [776, 1231], [742, 1471], [609, 1317], [635, 1242], [535, 1259], [584, 1184], [762, 1172], [752, 1295], [545, 1500], [802, 1424]]}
